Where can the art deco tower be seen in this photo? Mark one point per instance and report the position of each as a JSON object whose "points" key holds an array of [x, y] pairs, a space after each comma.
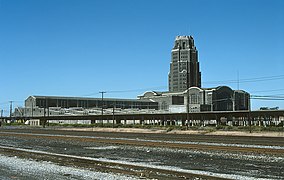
{"points": [[184, 67]]}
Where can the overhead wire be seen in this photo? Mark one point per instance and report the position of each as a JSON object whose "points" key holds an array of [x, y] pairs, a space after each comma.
{"points": [[271, 99], [267, 97], [5, 102], [128, 90], [91, 94], [246, 80], [268, 90], [136, 90], [258, 79]]}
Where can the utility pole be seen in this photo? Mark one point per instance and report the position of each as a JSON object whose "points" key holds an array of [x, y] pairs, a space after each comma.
{"points": [[44, 107], [234, 101], [238, 81], [249, 117], [11, 107], [102, 105], [1, 117], [32, 113], [47, 106], [187, 93], [113, 108]]}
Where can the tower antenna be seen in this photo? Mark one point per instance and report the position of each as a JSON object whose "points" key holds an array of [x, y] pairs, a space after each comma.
{"points": [[189, 30], [238, 80]]}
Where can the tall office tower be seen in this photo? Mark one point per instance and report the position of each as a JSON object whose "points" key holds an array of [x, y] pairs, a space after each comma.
{"points": [[184, 67]]}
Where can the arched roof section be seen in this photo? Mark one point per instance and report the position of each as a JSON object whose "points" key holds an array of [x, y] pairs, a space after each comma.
{"points": [[30, 98], [150, 94], [193, 90], [223, 88], [224, 92]]}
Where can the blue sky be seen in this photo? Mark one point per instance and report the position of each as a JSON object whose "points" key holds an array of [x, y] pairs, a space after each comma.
{"points": [[78, 48]]}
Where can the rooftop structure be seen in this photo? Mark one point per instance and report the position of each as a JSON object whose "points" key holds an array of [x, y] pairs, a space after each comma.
{"points": [[195, 99], [69, 102], [59, 105]]}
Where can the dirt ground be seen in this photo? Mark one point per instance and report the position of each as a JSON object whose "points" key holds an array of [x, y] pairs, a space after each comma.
{"points": [[221, 133]]}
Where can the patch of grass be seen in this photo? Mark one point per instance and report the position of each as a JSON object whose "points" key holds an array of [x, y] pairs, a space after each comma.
{"points": [[17, 124], [13, 124], [273, 128]]}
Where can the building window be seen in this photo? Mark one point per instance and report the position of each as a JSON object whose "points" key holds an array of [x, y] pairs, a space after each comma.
{"points": [[177, 100], [194, 99]]}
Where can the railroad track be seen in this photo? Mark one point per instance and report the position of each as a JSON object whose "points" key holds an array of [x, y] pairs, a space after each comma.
{"points": [[270, 150], [268, 141], [23, 145], [141, 171]]}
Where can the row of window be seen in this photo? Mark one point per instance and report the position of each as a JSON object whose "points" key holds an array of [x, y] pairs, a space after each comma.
{"points": [[181, 52], [182, 57]]}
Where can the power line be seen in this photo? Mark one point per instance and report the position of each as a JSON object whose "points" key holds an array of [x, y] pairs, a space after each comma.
{"points": [[136, 90], [247, 80], [265, 77], [266, 96], [257, 79], [6, 102], [11, 108], [102, 92], [91, 94], [271, 99], [271, 90], [127, 90]]}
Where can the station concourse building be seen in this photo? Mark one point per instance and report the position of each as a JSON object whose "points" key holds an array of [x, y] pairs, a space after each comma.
{"points": [[185, 93]]}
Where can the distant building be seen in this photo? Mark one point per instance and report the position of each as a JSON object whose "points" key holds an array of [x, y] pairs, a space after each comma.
{"points": [[185, 93], [70, 102], [184, 66], [58, 105]]}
